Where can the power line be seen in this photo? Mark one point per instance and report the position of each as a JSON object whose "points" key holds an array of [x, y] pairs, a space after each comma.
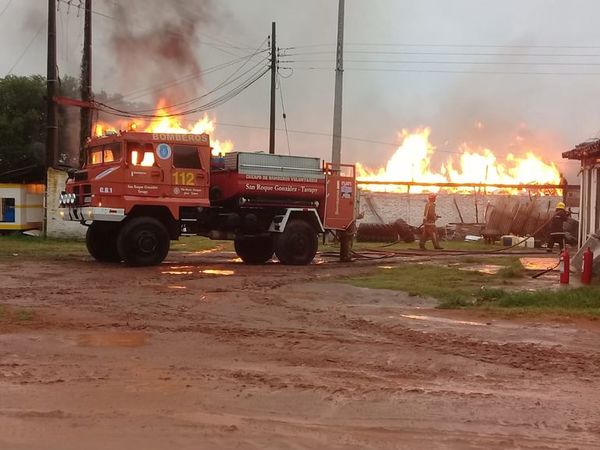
{"points": [[482, 63], [494, 54], [223, 84], [284, 115], [26, 48], [159, 87], [443, 71], [205, 107], [352, 138], [446, 45], [5, 7]]}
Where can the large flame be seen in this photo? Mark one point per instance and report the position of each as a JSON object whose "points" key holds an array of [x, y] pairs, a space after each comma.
{"points": [[164, 123], [412, 162]]}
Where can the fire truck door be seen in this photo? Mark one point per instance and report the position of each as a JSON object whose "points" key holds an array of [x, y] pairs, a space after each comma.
{"points": [[340, 197], [189, 175]]}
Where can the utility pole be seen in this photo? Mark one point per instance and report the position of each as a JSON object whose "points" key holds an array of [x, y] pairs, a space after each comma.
{"points": [[346, 236], [51, 84], [273, 80], [336, 152], [86, 79]]}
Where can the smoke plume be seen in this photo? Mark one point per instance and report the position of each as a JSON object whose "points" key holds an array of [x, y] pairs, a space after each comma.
{"points": [[155, 42]]}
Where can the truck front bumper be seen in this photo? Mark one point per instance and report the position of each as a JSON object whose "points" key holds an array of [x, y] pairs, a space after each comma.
{"points": [[91, 213]]}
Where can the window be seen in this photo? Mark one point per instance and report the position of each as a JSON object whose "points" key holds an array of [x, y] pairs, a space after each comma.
{"points": [[141, 154], [95, 155], [186, 157], [7, 212], [112, 152], [106, 154]]}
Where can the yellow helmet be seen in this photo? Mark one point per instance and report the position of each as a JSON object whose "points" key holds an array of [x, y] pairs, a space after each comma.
{"points": [[560, 205]]}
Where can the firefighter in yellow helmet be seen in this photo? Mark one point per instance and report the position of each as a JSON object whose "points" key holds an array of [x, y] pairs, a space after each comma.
{"points": [[429, 228], [557, 232]]}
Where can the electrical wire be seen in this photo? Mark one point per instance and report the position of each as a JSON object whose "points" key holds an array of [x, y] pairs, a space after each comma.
{"points": [[205, 107], [444, 71], [287, 135], [223, 84], [5, 8], [26, 49], [159, 87]]}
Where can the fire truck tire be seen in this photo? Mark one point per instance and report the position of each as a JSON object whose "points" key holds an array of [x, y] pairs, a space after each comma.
{"points": [[297, 245], [143, 241], [254, 250], [101, 242]]}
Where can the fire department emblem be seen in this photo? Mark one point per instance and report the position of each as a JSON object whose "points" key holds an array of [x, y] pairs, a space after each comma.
{"points": [[163, 151], [176, 190]]}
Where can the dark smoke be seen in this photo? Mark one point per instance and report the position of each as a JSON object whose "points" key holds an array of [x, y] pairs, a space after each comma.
{"points": [[155, 43]]}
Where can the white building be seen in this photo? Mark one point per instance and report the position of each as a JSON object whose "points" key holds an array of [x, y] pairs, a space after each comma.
{"points": [[21, 207]]}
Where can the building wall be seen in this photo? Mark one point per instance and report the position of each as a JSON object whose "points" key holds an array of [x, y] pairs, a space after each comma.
{"points": [[409, 207], [56, 226], [590, 197]]}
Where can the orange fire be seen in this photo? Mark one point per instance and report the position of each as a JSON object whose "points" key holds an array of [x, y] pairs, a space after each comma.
{"points": [[412, 162], [166, 124]]}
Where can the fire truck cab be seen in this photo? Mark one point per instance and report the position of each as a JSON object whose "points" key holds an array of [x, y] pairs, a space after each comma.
{"points": [[138, 191]]}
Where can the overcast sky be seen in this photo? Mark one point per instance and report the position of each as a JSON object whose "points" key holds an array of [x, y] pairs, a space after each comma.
{"points": [[526, 71]]}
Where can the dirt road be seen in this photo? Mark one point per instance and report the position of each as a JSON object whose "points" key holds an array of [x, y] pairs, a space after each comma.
{"points": [[203, 352]]}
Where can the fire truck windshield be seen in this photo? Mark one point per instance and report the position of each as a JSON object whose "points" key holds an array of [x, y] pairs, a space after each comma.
{"points": [[104, 154]]}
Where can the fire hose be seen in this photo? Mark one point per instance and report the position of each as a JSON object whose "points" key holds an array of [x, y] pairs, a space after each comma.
{"points": [[378, 254]]}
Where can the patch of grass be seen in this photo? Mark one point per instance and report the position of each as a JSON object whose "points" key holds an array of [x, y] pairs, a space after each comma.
{"points": [[27, 247], [198, 244], [15, 316], [38, 247], [514, 269], [456, 288], [444, 283], [583, 300]]}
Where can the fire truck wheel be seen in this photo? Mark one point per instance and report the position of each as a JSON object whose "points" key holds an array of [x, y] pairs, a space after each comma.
{"points": [[101, 242], [254, 250], [298, 244], [143, 241]]}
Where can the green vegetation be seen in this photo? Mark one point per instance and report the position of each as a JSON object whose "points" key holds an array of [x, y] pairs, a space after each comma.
{"points": [[455, 287], [28, 247], [12, 316], [583, 301], [20, 246], [199, 244]]}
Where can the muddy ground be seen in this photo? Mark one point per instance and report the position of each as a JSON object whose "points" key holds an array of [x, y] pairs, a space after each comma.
{"points": [[204, 352]]}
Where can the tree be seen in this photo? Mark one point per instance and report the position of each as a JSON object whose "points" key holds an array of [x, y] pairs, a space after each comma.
{"points": [[22, 122]]}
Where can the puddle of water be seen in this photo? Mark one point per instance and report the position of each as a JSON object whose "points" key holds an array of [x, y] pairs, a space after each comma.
{"points": [[538, 263], [112, 339], [442, 320], [488, 269], [177, 272], [218, 272], [385, 267], [174, 286]]}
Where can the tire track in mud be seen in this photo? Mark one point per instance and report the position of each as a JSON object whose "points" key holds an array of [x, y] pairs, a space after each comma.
{"points": [[524, 356]]}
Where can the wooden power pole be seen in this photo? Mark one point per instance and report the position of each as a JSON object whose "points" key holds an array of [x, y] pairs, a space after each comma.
{"points": [[86, 79], [51, 89], [336, 152], [273, 81]]}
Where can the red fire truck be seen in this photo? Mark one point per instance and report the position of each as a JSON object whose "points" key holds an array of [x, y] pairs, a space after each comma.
{"points": [[138, 191]]}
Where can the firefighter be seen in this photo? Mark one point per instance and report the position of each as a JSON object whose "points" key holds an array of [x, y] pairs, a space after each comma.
{"points": [[429, 228], [557, 232]]}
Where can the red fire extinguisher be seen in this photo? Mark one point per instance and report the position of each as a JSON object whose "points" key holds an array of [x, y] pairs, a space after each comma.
{"points": [[564, 266], [586, 269]]}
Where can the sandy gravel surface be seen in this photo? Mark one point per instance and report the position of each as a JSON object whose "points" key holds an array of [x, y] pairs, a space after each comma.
{"points": [[204, 352]]}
